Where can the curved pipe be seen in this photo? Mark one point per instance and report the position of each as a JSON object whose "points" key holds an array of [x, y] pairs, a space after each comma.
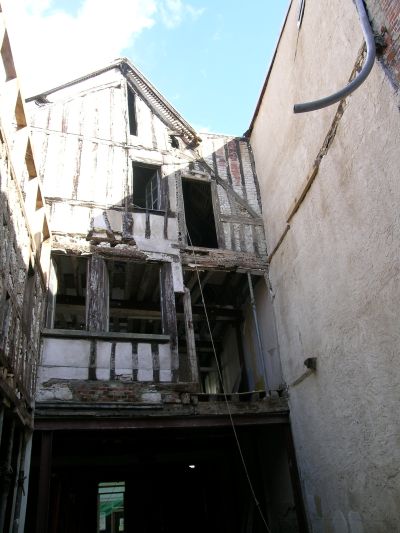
{"points": [[353, 85]]}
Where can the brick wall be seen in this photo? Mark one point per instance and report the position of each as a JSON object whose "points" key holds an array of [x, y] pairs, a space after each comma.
{"points": [[385, 18]]}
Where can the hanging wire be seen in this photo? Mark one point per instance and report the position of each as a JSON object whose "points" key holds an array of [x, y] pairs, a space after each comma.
{"points": [[257, 503]]}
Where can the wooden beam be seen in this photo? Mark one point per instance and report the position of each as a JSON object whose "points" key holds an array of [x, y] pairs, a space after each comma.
{"points": [[190, 341], [43, 505], [97, 295]]}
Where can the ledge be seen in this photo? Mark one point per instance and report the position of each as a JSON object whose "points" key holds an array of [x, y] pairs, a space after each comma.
{"points": [[104, 335]]}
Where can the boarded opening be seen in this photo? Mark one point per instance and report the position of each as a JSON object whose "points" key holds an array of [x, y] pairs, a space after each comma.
{"points": [[199, 213], [146, 189], [134, 297], [132, 113]]}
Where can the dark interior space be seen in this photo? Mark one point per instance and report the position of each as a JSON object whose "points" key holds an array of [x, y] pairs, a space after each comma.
{"points": [[224, 293], [199, 213], [171, 481], [70, 312], [134, 290], [132, 113], [146, 187]]}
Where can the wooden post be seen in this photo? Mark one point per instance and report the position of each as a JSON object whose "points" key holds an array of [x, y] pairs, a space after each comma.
{"points": [[190, 341], [42, 517], [16, 478], [22, 498], [97, 291], [168, 314], [6, 476]]}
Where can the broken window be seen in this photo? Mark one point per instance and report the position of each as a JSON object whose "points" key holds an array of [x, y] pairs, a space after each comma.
{"points": [[132, 113], [146, 187], [69, 292], [134, 297], [111, 507], [199, 213]]}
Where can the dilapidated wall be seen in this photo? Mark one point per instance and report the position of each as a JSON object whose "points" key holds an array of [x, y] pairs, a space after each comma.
{"points": [[95, 136], [24, 263], [330, 193]]}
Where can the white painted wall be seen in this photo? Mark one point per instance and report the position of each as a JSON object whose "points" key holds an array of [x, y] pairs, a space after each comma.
{"points": [[336, 274]]}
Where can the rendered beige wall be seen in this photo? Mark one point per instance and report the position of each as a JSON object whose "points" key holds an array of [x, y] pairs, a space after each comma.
{"points": [[336, 273]]}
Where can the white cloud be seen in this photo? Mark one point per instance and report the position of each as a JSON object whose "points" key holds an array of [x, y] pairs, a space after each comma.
{"points": [[174, 11], [52, 46]]}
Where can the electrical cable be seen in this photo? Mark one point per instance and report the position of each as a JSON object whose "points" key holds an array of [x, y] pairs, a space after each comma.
{"points": [[257, 503]]}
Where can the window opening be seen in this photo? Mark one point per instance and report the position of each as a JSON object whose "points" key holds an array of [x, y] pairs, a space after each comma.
{"points": [[135, 305], [174, 141], [70, 312], [132, 113], [111, 507], [146, 190], [199, 213]]}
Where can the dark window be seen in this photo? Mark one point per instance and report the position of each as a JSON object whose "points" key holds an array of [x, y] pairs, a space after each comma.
{"points": [[70, 311], [132, 113], [174, 141], [199, 213], [146, 190]]}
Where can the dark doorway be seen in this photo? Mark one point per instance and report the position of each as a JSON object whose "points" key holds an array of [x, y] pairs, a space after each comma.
{"points": [[199, 213], [170, 481]]}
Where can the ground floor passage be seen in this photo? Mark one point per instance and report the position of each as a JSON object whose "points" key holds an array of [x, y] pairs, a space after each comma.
{"points": [[170, 480]]}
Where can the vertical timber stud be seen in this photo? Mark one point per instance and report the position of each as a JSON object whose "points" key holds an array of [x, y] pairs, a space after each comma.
{"points": [[7, 476], [23, 483], [190, 341], [168, 313], [97, 314], [16, 477], [42, 518]]}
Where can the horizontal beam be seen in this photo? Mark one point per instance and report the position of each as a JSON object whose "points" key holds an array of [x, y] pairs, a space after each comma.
{"points": [[104, 335], [70, 424]]}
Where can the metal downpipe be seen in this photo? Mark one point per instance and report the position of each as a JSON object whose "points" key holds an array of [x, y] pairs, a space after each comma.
{"points": [[353, 85]]}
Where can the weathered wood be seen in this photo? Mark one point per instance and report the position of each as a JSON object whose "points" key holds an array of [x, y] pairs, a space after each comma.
{"points": [[42, 511], [97, 295], [190, 340], [6, 477], [107, 335], [168, 312]]}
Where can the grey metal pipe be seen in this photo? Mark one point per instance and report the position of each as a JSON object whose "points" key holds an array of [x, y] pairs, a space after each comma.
{"points": [[259, 340], [353, 85]]}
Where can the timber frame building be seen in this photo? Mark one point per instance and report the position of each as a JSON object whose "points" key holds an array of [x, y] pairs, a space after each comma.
{"points": [[157, 279]]}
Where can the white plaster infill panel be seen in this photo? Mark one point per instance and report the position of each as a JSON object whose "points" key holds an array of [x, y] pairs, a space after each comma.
{"points": [[62, 372], [139, 224], [103, 360], [164, 353], [172, 229], [123, 359], [157, 226], [74, 353], [177, 277], [145, 362]]}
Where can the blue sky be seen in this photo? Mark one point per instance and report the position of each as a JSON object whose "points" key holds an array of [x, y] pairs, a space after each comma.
{"points": [[208, 58]]}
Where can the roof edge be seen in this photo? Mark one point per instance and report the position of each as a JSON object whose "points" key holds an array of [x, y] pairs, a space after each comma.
{"points": [[264, 87], [126, 67]]}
